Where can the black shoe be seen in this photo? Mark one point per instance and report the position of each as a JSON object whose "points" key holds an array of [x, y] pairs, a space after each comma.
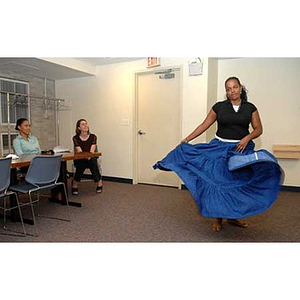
{"points": [[99, 189], [74, 191]]}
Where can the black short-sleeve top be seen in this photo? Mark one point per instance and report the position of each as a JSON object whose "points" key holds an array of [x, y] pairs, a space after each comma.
{"points": [[85, 145], [231, 124]]}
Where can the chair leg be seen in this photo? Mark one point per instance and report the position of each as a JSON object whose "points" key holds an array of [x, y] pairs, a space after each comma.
{"points": [[5, 209], [4, 212], [67, 202], [33, 215], [20, 213], [38, 204]]}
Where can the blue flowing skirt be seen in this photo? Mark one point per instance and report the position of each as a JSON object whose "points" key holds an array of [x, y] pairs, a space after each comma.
{"points": [[223, 182]]}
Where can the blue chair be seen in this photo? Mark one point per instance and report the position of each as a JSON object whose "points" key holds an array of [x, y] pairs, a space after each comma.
{"points": [[5, 193], [42, 174]]}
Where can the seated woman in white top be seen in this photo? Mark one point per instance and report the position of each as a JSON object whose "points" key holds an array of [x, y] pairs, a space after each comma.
{"points": [[25, 142]]}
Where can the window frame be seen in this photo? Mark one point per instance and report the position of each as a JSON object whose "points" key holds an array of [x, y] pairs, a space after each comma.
{"points": [[28, 99], [13, 135]]}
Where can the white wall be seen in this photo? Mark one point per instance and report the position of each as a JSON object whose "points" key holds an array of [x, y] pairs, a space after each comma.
{"points": [[107, 98], [212, 93], [274, 87]]}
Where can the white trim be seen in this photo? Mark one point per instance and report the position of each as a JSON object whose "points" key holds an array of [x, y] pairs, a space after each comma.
{"points": [[226, 140], [14, 80]]}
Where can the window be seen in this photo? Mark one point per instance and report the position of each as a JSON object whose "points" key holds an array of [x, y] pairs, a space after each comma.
{"points": [[4, 143], [18, 104]]}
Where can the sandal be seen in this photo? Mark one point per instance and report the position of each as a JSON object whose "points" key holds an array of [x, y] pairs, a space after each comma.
{"points": [[74, 191], [237, 223], [99, 189]]}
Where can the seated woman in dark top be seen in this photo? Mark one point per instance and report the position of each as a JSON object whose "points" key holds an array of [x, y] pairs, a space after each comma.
{"points": [[84, 141]]}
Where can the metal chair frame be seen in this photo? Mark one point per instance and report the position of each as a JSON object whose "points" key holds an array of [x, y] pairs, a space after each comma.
{"points": [[39, 178], [5, 193]]}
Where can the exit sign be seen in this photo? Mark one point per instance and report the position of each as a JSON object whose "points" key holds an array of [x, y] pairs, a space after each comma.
{"points": [[153, 62]]}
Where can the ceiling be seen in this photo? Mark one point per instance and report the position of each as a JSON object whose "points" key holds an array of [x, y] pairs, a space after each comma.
{"points": [[106, 60], [46, 69]]}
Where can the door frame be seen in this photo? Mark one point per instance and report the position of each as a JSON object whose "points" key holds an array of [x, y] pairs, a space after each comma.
{"points": [[135, 114]]}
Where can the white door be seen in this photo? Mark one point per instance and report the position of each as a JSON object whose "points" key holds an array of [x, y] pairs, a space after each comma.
{"points": [[158, 124]]}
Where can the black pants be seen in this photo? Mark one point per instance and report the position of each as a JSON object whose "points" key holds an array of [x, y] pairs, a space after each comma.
{"points": [[82, 164]]}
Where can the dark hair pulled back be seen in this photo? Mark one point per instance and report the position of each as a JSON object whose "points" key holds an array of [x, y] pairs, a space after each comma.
{"points": [[244, 96], [20, 122]]}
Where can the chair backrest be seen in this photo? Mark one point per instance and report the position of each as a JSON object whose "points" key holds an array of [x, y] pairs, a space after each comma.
{"points": [[4, 173], [44, 169]]}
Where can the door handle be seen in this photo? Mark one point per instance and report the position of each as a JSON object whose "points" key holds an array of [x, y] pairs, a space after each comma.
{"points": [[140, 132]]}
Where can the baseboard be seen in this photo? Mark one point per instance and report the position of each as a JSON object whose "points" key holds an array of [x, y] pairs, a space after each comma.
{"points": [[117, 179], [183, 186], [105, 178], [290, 188], [283, 188]]}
